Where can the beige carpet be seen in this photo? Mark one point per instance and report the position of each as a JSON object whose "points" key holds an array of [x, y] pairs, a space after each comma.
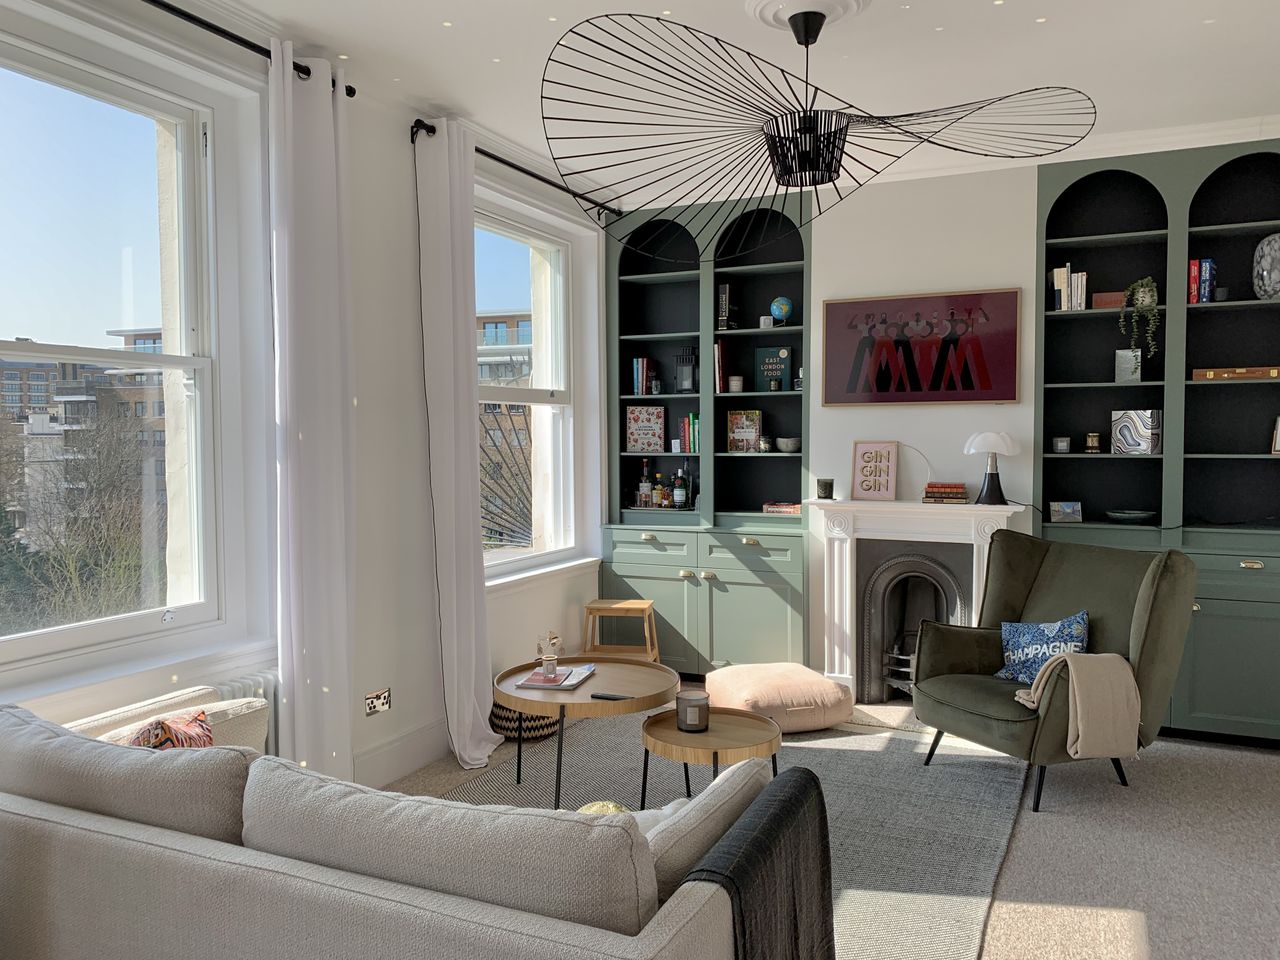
{"points": [[1182, 865]]}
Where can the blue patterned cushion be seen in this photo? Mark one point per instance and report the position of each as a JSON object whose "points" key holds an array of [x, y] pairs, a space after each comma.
{"points": [[1027, 646]]}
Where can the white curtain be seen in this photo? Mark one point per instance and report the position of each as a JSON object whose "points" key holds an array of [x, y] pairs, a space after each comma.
{"points": [[446, 205], [314, 401]]}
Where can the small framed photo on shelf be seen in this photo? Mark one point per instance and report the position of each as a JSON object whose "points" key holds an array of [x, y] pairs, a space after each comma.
{"points": [[1066, 511], [875, 470]]}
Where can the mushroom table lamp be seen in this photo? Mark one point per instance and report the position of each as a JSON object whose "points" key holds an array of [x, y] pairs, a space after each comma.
{"points": [[992, 444]]}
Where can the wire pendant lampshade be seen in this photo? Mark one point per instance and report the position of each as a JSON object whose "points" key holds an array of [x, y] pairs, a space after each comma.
{"points": [[666, 122]]}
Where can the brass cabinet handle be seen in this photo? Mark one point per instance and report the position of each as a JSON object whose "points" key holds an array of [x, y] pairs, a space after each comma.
{"points": [[750, 542], [708, 574], [647, 537], [1251, 564], [686, 573], [1195, 608]]}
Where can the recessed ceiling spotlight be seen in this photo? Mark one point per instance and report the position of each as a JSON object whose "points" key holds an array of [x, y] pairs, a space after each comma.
{"points": [[939, 29], [906, 6], [666, 13], [998, 3], [497, 59], [552, 19], [343, 56], [395, 79], [1041, 19], [1210, 20], [447, 23]]}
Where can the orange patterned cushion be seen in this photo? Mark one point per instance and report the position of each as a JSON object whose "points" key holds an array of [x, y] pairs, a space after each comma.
{"points": [[161, 734]]}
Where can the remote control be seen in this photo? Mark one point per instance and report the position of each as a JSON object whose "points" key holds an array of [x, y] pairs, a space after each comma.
{"points": [[611, 696]]}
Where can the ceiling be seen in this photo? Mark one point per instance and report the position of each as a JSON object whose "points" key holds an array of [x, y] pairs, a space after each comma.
{"points": [[1148, 64]]}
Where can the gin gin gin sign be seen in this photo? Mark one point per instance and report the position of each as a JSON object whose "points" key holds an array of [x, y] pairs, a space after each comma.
{"points": [[875, 470]]}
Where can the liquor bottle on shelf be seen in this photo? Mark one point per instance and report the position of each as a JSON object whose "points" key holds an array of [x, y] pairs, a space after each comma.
{"points": [[659, 492], [644, 496], [679, 491]]}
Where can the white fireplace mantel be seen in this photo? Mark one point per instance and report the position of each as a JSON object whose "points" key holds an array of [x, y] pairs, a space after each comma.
{"points": [[846, 521]]}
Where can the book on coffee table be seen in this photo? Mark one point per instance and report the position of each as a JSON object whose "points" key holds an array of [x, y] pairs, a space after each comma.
{"points": [[565, 678]]}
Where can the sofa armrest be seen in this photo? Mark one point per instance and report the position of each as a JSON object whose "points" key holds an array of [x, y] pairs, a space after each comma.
{"points": [[945, 648]]}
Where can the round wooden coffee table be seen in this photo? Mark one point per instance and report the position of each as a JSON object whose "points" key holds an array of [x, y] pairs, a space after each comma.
{"points": [[731, 737], [644, 685]]}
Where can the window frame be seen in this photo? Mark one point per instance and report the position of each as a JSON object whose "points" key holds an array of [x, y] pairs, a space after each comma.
{"points": [[225, 286], [521, 205]]}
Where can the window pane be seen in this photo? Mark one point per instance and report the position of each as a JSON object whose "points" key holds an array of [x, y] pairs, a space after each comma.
{"points": [[89, 256], [99, 515], [522, 490], [520, 307]]}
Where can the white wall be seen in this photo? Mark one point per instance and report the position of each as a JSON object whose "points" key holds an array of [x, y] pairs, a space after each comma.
{"points": [[522, 609], [970, 232]]}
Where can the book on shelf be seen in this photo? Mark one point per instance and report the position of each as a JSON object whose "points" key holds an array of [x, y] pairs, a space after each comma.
{"points": [[743, 431], [1070, 290], [1193, 281], [1208, 279], [719, 357], [781, 509], [1108, 300], [642, 369], [689, 439], [646, 429], [944, 499], [566, 678], [772, 363]]}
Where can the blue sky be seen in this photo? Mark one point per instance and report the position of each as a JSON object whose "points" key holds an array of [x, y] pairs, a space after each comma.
{"points": [[502, 273], [78, 216], [79, 227]]}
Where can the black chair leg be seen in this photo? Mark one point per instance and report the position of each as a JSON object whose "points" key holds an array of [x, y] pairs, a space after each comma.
{"points": [[1035, 804], [937, 739], [1115, 762]]}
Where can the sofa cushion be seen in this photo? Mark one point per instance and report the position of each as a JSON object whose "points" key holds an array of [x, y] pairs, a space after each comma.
{"points": [[680, 841], [589, 869], [194, 791], [790, 694]]}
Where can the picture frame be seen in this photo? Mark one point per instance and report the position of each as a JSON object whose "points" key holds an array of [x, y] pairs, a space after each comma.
{"points": [[875, 470], [742, 431], [1066, 511], [923, 348], [1275, 439]]}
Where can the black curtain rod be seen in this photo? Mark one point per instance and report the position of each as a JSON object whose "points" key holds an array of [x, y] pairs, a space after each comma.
{"points": [[301, 69], [421, 126]]}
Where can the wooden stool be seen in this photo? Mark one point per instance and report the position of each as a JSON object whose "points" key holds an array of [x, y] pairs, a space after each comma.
{"points": [[621, 608]]}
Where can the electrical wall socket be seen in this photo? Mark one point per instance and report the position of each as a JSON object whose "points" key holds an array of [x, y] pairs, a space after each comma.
{"points": [[377, 702]]}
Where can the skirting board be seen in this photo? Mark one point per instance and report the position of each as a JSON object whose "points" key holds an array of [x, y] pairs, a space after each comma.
{"points": [[392, 759]]}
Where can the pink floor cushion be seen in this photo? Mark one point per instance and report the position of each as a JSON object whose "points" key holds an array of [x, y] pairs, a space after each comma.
{"points": [[793, 696]]}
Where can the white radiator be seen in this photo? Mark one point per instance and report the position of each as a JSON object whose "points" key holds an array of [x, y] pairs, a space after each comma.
{"points": [[266, 685]]}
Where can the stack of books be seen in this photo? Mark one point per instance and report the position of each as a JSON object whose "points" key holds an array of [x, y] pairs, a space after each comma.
{"points": [[642, 371], [1202, 280], [566, 678], [1070, 290], [939, 492], [690, 439]]}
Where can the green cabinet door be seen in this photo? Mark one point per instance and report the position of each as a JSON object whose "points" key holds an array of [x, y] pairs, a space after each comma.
{"points": [[1229, 670], [675, 593], [751, 616]]}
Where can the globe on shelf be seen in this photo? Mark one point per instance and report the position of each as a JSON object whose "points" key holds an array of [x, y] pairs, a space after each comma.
{"points": [[781, 309]]}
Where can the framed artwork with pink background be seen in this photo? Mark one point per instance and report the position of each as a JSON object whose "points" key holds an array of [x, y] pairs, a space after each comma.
{"points": [[925, 348]]}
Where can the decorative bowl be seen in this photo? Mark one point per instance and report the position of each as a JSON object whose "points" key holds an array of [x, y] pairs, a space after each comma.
{"points": [[788, 444], [1130, 516], [1266, 268]]}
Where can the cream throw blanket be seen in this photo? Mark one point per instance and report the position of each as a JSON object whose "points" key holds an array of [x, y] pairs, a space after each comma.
{"points": [[1103, 703]]}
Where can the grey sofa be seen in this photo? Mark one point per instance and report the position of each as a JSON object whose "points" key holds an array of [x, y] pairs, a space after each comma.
{"points": [[80, 877]]}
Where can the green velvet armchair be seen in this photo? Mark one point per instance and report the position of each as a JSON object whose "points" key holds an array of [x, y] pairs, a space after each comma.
{"points": [[1139, 607]]}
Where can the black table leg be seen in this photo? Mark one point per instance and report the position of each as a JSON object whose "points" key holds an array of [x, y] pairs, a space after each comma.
{"points": [[688, 788], [715, 764], [644, 780], [775, 764], [519, 743], [559, 755]]}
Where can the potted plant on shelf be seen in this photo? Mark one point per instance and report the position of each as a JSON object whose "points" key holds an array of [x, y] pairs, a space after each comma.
{"points": [[1143, 296]]}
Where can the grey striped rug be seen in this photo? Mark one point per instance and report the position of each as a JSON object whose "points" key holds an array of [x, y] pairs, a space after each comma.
{"points": [[914, 850]]}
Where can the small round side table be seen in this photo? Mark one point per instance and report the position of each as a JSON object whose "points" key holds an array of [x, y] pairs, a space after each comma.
{"points": [[731, 737]]}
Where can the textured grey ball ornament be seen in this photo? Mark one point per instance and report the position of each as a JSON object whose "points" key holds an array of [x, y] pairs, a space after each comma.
{"points": [[1266, 268]]}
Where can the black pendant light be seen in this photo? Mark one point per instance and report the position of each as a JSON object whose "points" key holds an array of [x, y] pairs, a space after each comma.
{"points": [[659, 119]]}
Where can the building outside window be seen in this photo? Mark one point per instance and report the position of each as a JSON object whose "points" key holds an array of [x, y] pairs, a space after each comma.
{"points": [[526, 412]]}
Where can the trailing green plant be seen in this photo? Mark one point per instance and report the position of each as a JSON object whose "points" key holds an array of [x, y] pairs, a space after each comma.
{"points": [[1143, 295]]}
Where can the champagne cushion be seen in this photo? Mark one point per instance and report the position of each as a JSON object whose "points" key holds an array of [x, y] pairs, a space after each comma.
{"points": [[792, 696]]}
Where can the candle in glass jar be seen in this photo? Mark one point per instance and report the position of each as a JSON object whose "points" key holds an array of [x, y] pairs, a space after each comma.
{"points": [[693, 709]]}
